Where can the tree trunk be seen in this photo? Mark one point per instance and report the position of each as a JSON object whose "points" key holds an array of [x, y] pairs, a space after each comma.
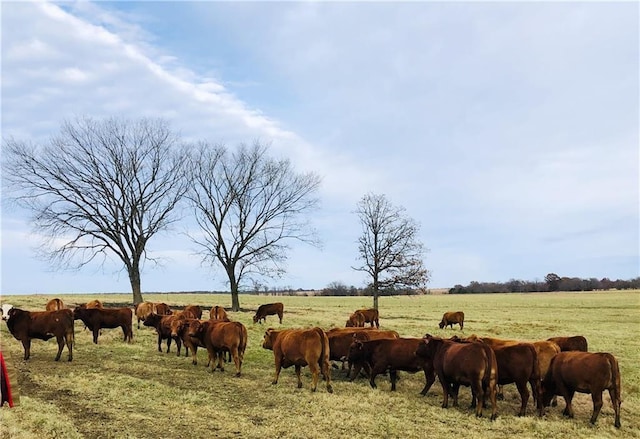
{"points": [[375, 291], [233, 284], [134, 278]]}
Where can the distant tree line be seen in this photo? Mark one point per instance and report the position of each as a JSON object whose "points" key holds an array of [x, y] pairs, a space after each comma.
{"points": [[552, 282]]}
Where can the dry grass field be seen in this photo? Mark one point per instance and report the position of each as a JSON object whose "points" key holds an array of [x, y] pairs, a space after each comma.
{"points": [[119, 390]]}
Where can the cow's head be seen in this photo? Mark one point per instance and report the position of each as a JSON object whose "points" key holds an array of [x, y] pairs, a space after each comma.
{"points": [[356, 350], [196, 328], [79, 312], [441, 324], [177, 326], [269, 337]]}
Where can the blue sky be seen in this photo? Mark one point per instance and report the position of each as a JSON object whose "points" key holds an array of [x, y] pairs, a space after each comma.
{"points": [[509, 131]]}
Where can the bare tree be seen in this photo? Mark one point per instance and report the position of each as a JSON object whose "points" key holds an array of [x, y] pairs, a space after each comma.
{"points": [[389, 246], [249, 207], [100, 188]]}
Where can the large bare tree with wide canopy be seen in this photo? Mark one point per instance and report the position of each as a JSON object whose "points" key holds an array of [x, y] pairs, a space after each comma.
{"points": [[99, 189], [249, 207]]}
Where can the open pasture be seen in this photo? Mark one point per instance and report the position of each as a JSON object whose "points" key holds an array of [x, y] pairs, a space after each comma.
{"points": [[120, 390]]}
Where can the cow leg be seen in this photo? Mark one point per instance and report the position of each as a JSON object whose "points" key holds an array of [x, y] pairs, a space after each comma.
{"points": [[194, 355], [429, 378], [536, 389], [393, 376], [69, 341], [568, 397], [500, 394], [179, 345], [159, 343], [615, 401], [168, 344], [60, 341], [596, 397], [524, 397], [279, 316], [445, 392], [237, 361], [26, 344], [372, 378], [278, 362], [478, 396], [326, 373], [314, 379], [492, 397]]}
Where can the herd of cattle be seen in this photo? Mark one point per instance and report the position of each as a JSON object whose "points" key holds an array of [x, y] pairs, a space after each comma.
{"points": [[557, 366]]}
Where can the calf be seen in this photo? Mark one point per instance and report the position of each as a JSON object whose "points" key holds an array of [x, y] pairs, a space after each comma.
{"points": [[54, 305], [42, 325], [97, 318], [162, 323], [355, 320], [371, 316], [451, 318], [393, 355], [575, 343], [299, 348], [583, 372], [219, 337], [469, 364], [268, 309]]}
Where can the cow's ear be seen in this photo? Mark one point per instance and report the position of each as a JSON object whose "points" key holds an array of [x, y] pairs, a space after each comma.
{"points": [[428, 336]]}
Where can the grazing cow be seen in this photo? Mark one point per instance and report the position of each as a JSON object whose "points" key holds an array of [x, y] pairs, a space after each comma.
{"points": [[583, 372], [98, 318], [393, 355], [162, 323], [371, 316], [218, 313], [470, 364], [299, 348], [143, 310], [575, 343], [54, 305], [356, 320], [4, 312], [192, 312], [451, 318], [42, 325], [218, 336], [372, 334], [268, 309]]}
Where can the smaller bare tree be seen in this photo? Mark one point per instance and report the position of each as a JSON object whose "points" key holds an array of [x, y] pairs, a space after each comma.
{"points": [[99, 188], [249, 207], [389, 246]]}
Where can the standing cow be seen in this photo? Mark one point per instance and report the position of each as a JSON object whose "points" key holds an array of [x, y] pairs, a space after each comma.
{"points": [[300, 347], [54, 305], [583, 372], [42, 325], [97, 318]]}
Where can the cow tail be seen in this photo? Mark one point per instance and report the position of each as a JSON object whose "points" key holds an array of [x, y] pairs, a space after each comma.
{"points": [[615, 374], [242, 343], [324, 342]]}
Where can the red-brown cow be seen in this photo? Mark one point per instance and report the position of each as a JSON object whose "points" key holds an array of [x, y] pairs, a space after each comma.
{"points": [[451, 318], [299, 348], [355, 320], [575, 343], [94, 304], [180, 328], [372, 334], [469, 364], [268, 309], [393, 355], [584, 372], [42, 325], [192, 312], [371, 316], [162, 323], [218, 313], [162, 309], [340, 340], [96, 319], [217, 337], [54, 305]]}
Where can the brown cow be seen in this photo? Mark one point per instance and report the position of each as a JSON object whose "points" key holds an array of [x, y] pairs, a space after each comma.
{"points": [[192, 312], [218, 313], [180, 328], [94, 304], [96, 319], [371, 316], [42, 325], [162, 309], [143, 310], [268, 309], [451, 318], [217, 337], [575, 343], [470, 364], [356, 320], [584, 372], [299, 348], [54, 305], [340, 340], [162, 323], [393, 355]]}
